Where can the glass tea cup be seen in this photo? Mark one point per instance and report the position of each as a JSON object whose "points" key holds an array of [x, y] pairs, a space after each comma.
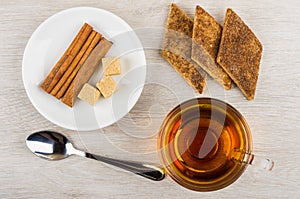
{"points": [[205, 144]]}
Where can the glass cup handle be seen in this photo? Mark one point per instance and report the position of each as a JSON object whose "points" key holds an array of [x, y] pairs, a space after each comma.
{"points": [[251, 159]]}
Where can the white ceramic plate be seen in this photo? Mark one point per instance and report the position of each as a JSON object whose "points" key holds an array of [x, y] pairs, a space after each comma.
{"points": [[48, 43]]}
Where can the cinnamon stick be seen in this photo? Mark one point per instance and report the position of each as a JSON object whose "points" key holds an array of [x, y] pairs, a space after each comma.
{"points": [[71, 77], [78, 45], [73, 64], [86, 71], [45, 84]]}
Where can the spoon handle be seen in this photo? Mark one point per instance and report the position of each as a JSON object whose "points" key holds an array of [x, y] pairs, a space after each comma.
{"points": [[146, 170]]}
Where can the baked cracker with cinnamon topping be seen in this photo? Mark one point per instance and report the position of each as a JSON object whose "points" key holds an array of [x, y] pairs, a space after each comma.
{"points": [[240, 53], [206, 39], [177, 47]]}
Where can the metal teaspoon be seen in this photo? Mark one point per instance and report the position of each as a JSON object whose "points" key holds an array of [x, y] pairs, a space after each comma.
{"points": [[55, 146]]}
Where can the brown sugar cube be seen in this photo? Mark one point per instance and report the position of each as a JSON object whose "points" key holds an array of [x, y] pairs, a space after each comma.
{"points": [[177, 47], [206, 39], [240, 53], [107, 86], [111, 66], [89, 94]]}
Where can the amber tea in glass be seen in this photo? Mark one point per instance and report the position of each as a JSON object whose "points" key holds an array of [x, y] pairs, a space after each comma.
{"points": [[205, 144]]}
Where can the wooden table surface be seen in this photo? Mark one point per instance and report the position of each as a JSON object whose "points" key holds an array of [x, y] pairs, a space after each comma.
{"points": [[273, 116]]}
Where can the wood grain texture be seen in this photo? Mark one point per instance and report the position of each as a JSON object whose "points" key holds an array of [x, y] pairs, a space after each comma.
{"points": [[273, 116]]}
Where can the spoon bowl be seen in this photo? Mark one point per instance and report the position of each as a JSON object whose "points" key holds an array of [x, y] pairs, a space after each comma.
{"points": [[55, 146], [48, 145]]}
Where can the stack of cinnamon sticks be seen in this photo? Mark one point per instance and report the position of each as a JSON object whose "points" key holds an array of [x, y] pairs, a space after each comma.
{"points": [[61, 79]]}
